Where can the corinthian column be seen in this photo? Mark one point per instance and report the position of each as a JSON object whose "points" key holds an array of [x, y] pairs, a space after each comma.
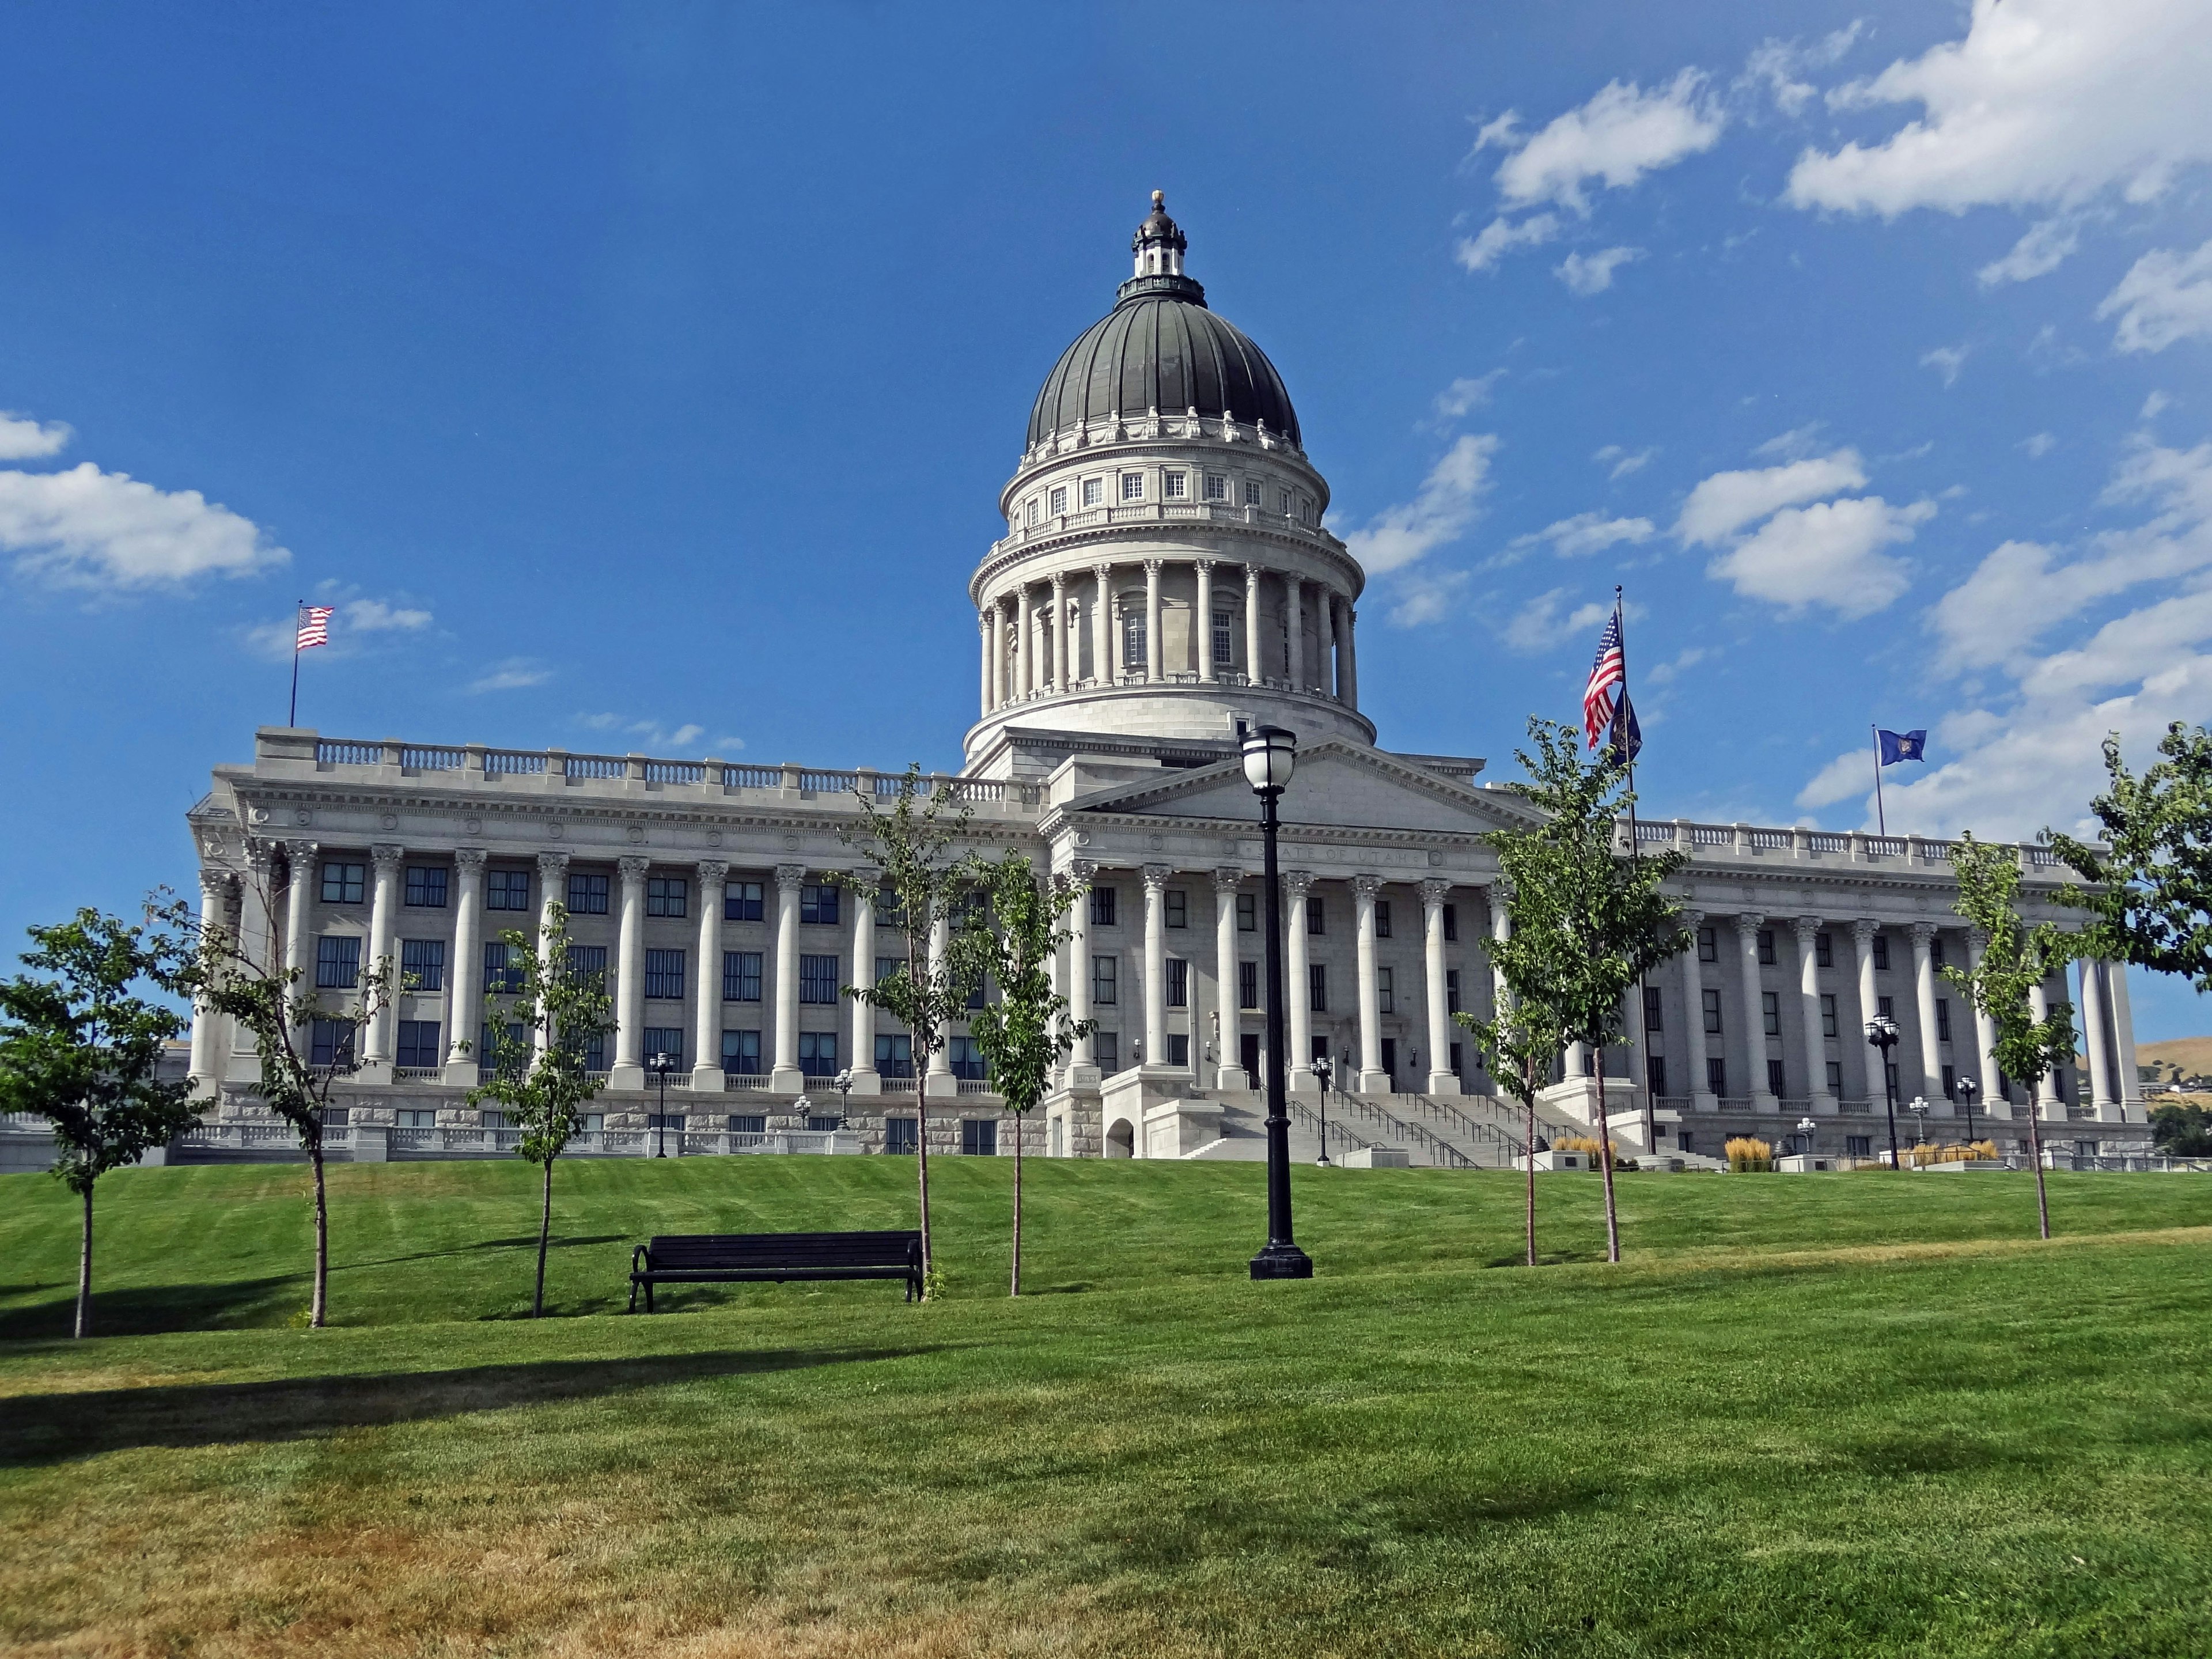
{"points": [[1298, 987], [866, 1080], [1252, 672], [1923, 985], [993, 650], [207, 1024], [1994, 1102], [1156, 965], [1694, 1020], [706, 989], [1755, 1012], [1086, 1072], [1024, 659], [629, 1070], [1229, 1072], [1325, 645], [1373, 1080], [1152, 658], [383, 921], [939, 1080], [1203, 631], [1294, 625], [1441, 1079], [1863, 937], [299, 887], [552, 875], [467, 1003], [256, 945], [1809, 1012], [1061, 678], [784, 1077], [1348, 672], [2102, 1096], [1102, 625]]}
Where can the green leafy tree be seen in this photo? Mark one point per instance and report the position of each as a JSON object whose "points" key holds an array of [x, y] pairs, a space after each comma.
{"points": [[79, 1047], [2153, 893], [2182, 1129], [1519, 1044], [543, 1018], [911, 844], [2002, 985], [1027, 1032], [277, 1008], [1589, 921]]}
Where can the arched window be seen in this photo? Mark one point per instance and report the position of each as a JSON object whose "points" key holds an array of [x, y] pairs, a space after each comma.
{"points": [[1132, 637]]}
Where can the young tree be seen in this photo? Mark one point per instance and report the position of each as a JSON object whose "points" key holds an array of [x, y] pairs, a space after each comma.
{"points": [[279, 1010], [1589, 921], [1027, 1032], [543, 1017], [912, 845], [2153, 897], [2016, 959], [1519, 1044], [80, 1048]]}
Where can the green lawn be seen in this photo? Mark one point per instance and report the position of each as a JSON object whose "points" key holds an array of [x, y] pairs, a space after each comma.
{"points": [[1853, 1414]]}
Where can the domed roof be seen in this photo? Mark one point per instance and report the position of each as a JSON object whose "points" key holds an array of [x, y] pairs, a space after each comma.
{"points": [[1160, 348]]}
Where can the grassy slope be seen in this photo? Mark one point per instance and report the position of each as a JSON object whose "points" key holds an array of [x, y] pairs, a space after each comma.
{"points": [[1811, 1415]]}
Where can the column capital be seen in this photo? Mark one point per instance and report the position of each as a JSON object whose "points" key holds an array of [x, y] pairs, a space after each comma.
{"points": [[1297, 882], [470, 860], [1059, 583], [789, 876], [1806, 927], [1226, 880], [1976, 941], [1103, 572], [1748, 922], [301, 852], [633, 867], [1207, 565], [217, 885], [1366, 887], [1156, 876], [388, 856], [550, 865], [1082, 870], [1923, 932], [712, 871], [983, 618], [1691, 920], [1252, 577], [1435, 890], [260, 855], [1153, 568], [1863, 931]]}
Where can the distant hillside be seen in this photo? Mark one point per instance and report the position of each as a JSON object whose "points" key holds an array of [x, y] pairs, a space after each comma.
{"points": [[2176, 1058]]}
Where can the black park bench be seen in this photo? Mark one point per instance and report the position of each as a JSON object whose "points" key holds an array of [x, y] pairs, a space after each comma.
{"points": [[756, 1258]]}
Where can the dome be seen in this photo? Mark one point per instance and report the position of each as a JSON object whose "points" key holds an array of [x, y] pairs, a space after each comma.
{"points": [[1161, 349]]}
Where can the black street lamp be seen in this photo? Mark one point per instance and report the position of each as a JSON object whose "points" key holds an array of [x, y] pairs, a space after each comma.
{"points": [[1919, 1108], [844, 1082], [1881, 1033], [1270, 753], [660, 1066], [1320, 1070], [1965, 1088]]}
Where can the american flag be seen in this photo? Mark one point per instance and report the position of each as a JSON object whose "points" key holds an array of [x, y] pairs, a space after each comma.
{"points": [[314, 626], [1609, 671]]}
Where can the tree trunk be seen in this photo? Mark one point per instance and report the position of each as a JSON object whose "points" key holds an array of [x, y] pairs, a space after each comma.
{"points": [[1017, 1289], [1605, 1152], [1530, 1103], [545, 1229], [84, 1271], [318, 1310], [921, 1159], [2035, 1156]]}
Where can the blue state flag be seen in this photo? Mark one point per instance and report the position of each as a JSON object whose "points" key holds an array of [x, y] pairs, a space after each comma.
{"points": [[1626, 739], [1902, 746]]}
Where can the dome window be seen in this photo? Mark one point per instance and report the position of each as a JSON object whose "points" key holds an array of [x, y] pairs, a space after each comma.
{"points": [[1217, 487], [1133, 486], [1033, 511], [1175, 486], [1252, 497], [1094, 491], [1059, 500]]}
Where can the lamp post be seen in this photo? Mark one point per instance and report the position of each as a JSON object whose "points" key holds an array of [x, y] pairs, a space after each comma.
{"points": [[1966, 1088], [1806, 1126], [1881, 1033], [1918, 1107], [844, 1082], [1321, 1070], [1270, 753], [660, 1066]]}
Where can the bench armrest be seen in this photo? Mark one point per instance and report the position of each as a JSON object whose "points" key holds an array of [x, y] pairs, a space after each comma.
{"points": [[641, 1255]]}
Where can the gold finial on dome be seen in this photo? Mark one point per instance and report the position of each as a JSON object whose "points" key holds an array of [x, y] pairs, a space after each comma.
{"points": [[1159, 201]]}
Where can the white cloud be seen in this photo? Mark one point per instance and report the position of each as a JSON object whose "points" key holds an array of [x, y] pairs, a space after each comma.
{"points": [[2038, 446], [1617, 137], [2165, 297], [1420, 596], [1946, 361], [1447, 504], [1501, 236], [24, 439], [2041, 248], [1666, 673], [376, 617], [1544, 622], [87, 528], [1594, 274], [2044, 103], [1587, 533], [1725, 502], [1848, 774], [1776, 63], [511, 674], [2155, 406], [1828, 554], [1794, 444], [1623, 462], [650, 737], [1466, 393]]}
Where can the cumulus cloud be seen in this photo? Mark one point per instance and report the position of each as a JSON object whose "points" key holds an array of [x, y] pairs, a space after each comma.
{"points": [[1830, 554], [376, 617], [2041, 248], [1587, 533], [1545, 621], [1946, 361], [1420, 596], [1624, 462], [24, 439], [1725, 502], [1619, 136], [352, 618], [1587, 274], [2165, 297], [2044, 103], [1666, 673], [511, 674], [1448, 502], [1776, 63], [651, 734], [1482, 251], [2038, 446], [1465, 393], [84, 528]]}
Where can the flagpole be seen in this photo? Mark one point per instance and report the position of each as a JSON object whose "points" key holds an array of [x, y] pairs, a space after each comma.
{"points": [[293, 717], [1880, 817], [1635, 853]]}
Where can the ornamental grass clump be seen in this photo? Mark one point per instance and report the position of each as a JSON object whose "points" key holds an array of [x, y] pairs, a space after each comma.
{"points": [[1745, 1153], [1963, 1152]]}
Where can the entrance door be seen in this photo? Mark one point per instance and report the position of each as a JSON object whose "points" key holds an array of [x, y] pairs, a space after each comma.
{"points": [[1248, 1055], [1390, 1059]]}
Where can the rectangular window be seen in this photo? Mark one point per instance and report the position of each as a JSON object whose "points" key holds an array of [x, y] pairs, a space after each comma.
{"points": [[1885, 1006], [1451, 991], [1385, 993], [1217, 487], [966, 1060], [1178, 906], [500, 979], [1248, 985], [1106, 1050], [1175, 486], [741, 1053], [668, 896], [894, 1054], [1936, 952], [1105, 987], [1133, 486], [1859, 1145], [741, 901], [416, 1117], [343, 883], [426, 887], [818, 979], [1950, 1083], [418, 1044], [496, 1043], [1033, 510], [1094, 491], [1252, 494], [1708, 946], [1102, 907], [506, 889], [1824, 951], [1766, 947], [1775, 1081], [1942, 1019], [748, 1123], [1655, 1075], [889, 968], [330, 1042], [899, 1135], [664, 975], [1451, 923], [818, 1054], [1059, 501], [818, 903], [1711, 998], [741, 976], [1715, 1076], [1178, 1048], [1835, 1077], [1769, 1012], [587, 894], [1457, 1069], [665, 1040], [595, 1050], [1317, 987], [1224, 640], [1316, 922], [588, 961], [422, 964], [338, 961], [1381, 918], [1248, 912], [979, 1136], [1881, 951], [1133, 639], [1827, 1016], [1655, 1014], [1890, 1071], [1178, 982], [1283, 502]]}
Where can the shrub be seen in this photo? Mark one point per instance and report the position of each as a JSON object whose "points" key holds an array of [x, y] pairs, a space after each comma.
{"points": [[1746, 1153], [1590, 1146]]}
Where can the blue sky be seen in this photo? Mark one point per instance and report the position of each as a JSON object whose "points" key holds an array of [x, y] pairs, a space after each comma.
{"points": [[644, 378]]}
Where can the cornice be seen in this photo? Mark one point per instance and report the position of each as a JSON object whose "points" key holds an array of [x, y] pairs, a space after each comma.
{"points": [[1319, 543]]}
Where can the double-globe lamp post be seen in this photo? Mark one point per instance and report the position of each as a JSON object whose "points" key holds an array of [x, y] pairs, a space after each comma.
{"points": [[660, 1066], [1881, 1033], [1270, 752], [1965, 1088]]}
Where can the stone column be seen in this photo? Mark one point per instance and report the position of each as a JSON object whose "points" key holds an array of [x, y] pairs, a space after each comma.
{"points": [[1931, 1052], [1152, 657], [1229, 1072], [299, 887], [1205, 628], [628, 1071], [1692, 1045], [1252, 672], [1061, 678], [866, 1080], [1084, 1060], [940, 1080], [1808, 1010], [1294, 632], [2049, 1105], [257, 945], [1325, 644], [1373, 1080], [207, 1024], [1024, 660], [2123, 1044], [552, 875], [467, 1000], [1156, 965], [1348, 675], [1994, 1102], [1441, 1081], [784, 1077], [990, 669], [1863, 932], [2097, 1046], [1298, 991], [1755, 1012], [383, 921], [1101, 626], [707, 990]]}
